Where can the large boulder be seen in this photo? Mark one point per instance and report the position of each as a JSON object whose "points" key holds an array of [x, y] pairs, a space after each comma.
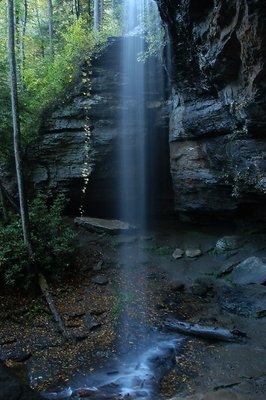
{"points": [[12, 389], [103, 225], [251, 270], [218, 118]]}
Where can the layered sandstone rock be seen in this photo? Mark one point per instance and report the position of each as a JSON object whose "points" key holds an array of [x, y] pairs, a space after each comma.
{"points": [[218, 120]]}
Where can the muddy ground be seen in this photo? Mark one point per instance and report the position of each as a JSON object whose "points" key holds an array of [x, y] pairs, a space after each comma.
{"points": [[113, 305]]}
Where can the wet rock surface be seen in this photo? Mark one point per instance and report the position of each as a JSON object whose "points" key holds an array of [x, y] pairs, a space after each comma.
{"points": [[251, 270], [217, 125], [103, 225], [12, 389]]}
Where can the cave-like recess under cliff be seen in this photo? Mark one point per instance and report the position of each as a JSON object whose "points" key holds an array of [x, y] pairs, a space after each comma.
{"points": [[82, 138], [214, 116]]}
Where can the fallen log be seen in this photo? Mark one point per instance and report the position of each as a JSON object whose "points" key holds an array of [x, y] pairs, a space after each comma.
{"points": [[45, 291], [204, 332]]}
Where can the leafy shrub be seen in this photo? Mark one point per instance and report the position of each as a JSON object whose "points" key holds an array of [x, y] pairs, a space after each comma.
{"points": [[51, 241]]}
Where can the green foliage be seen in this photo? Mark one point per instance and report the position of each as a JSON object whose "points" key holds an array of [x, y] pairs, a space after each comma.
{"points": [[122, 300], [48, 81], [154, 35], [43, 81], [51, 240], [159, 250]]}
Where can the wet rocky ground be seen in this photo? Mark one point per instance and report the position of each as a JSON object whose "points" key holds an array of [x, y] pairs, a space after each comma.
{"points": [[115, 306]]}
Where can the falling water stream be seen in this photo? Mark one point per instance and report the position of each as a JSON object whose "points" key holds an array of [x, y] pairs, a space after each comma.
{"points": [[138, 370]]}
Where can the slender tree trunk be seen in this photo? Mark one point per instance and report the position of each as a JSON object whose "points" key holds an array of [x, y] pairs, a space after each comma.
{"points": [[16, 128], [51, 27], [77, 8], [100, 13], [23, 33], [8, 198], [3, 202], [96, 15], [88, 13], [40, 29], [73, 7]]}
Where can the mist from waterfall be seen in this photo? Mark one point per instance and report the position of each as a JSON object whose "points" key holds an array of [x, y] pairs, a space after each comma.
{"points": [[134, 190], [136, 163]]}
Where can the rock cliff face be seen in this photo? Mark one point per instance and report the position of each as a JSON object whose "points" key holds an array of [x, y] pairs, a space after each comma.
{"points": [[217, 122], [79, 140], [218, 119]]}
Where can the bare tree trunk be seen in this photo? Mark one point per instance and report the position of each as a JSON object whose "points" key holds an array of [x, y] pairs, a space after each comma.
{"points": [[51, 27], [96, 15], [40, 29], [77, 8], [23, 33], [101, 13], [49, 299], [16, 129], [8, 198], [204, 332], [3, 202]]}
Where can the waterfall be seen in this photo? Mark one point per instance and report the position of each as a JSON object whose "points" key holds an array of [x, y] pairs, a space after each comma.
{"points": [[139, 346], [141, 22], [132, 190]]}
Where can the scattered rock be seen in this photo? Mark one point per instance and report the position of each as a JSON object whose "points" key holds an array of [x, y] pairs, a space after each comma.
{"points": [[193, 253], [100, 280], [79, 337], [19, 356], [142, 394], [243, 300], [125, 239], [217, 395], [261, 314], [227, 268], [4, 341], [12, 389], [90, 322], [103, 225], [251, 270], [98, 266], [178, 253], [152, 276], [229, 243], [115, 372], [177, 286], [74, 315], [201, 286], [81, 393]]}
